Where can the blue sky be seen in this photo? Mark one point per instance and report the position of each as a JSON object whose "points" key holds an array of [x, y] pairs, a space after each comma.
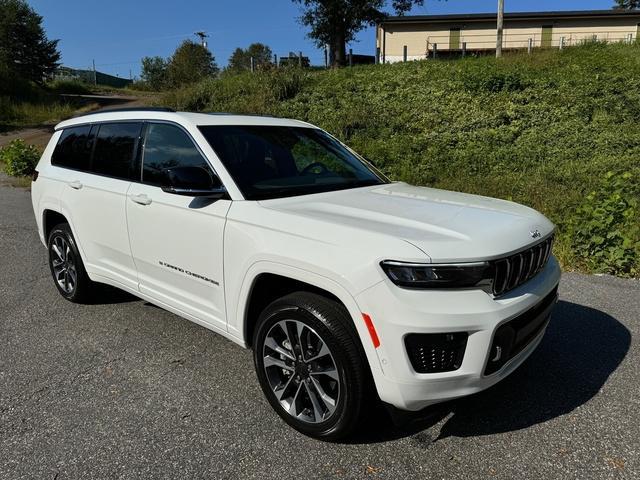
{"points": [[118, 33]]}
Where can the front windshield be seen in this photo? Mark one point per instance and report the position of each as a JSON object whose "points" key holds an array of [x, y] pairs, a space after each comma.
{"points": [[275, 161]]}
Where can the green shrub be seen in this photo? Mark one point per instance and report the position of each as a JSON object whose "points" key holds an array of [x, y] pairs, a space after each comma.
{"points": [[17, 87], [73, 87], [19, 158], [606, 227]]}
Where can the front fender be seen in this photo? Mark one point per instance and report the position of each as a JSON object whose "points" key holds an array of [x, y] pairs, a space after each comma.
{"points": [[238, 318]]}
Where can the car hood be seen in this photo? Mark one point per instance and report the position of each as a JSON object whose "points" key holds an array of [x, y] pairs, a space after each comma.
{"points": [[446, 226]]}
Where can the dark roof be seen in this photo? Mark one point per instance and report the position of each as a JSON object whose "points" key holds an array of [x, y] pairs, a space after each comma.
{"points": [[512, 16]]}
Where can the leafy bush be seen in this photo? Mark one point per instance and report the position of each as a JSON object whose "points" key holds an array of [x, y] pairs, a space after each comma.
{"points": [[19, 158], [606, 228], [73, 87]]}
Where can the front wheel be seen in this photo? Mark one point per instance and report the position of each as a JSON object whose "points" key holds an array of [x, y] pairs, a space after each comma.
{"points": [[309, 365]]}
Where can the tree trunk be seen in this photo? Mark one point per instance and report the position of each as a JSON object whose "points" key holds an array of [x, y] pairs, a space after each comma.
{"points": [[338, 50]]}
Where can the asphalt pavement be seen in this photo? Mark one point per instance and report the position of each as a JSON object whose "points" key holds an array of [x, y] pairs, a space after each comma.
{"points": [[123, 389]]}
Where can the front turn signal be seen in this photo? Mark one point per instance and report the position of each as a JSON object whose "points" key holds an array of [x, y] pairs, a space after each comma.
{"points": [[372, 330]]}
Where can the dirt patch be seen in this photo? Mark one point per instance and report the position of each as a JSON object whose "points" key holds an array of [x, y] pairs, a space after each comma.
{"points": [[39, 135]]}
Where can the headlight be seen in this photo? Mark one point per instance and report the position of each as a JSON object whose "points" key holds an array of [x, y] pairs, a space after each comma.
{"points": [[460, 275]]}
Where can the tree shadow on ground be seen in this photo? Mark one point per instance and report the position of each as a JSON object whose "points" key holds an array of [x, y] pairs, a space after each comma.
{"points": [[581, 349]]}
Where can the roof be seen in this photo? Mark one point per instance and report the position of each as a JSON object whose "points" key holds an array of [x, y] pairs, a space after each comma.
{"points": [[475, 17], [195, 119]]}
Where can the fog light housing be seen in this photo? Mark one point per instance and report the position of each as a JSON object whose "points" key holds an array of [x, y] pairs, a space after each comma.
{"points": [[436, 352]]}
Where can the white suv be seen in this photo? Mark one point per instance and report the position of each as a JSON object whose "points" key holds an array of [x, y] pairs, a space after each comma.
{"points": [[272, 233]]}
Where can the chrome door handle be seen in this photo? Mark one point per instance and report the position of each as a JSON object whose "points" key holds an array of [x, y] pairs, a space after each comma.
{"points": [[140, 199], [76, 185]]}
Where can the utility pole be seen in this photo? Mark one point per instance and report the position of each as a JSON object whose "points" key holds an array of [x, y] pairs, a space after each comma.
{"points": [[95, 76], [500, 28], [203, 36]]}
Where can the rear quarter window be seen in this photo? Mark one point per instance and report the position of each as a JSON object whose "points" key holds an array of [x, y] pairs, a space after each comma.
{"points": [[74, 148]]}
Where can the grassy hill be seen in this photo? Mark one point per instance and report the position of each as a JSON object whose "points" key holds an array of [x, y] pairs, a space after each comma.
{"points": [[559, 131], [23, 103]]}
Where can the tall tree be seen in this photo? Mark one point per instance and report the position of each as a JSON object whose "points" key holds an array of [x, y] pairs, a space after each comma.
{"points": [[190, 62], [154, 72], [335, 22], [627, 5], [240, 60], [24, 47]]}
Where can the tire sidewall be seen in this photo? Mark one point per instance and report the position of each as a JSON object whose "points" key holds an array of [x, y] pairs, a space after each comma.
{"points": [[348, 402], [64, 231]]}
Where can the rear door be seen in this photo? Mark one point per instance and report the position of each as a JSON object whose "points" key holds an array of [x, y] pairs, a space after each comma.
{"points": [[176, 240], [95, 195]]}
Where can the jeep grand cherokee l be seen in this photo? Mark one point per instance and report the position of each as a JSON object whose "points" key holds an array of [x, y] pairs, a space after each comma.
{"points": [[272, 233]]}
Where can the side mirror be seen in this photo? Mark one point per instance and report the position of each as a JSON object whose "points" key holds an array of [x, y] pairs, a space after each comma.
{"points": [[192, 182]]}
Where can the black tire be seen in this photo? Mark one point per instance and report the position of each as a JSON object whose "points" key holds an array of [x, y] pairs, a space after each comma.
{"points": [[72, 261], [330, 322]]}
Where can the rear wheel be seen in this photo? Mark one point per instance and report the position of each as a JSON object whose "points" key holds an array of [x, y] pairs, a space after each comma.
{"points": [[309, 365], [67, 269]]}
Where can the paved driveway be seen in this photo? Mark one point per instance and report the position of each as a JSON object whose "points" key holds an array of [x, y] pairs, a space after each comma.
{"points": [[123, 389]]}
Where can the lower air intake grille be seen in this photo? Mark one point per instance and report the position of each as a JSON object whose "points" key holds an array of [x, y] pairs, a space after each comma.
{"points": [[433, 353], [514, 336]]}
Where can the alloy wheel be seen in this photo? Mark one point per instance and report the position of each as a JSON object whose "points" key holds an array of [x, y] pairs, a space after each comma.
{"points": [[301, 371], [63, 264]]}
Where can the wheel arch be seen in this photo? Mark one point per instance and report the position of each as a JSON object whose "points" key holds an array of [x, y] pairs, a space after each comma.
{"points": [[51, 218], [279, 280], [54, 216]]}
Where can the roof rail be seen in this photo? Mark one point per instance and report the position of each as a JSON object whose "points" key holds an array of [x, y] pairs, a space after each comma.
{"points": [[128, 109], [241, 114]]}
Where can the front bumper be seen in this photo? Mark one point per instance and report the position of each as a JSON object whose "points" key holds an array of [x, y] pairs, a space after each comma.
{"points": [[398, 312]]}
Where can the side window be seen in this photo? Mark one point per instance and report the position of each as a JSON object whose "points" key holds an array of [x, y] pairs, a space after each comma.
{"points": [[74, 148], [115, 151], [168, 146]]}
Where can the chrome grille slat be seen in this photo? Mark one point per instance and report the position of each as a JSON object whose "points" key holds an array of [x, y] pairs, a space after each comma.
{"points": [[540, 258], [513, 277], [506, 275], [528, 263], [513, 271], [547, 252], [521, 269], [516, 265], [536, 259]]}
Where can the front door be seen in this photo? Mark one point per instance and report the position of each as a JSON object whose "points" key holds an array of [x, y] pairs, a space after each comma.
{"points": [[176, 240]]}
